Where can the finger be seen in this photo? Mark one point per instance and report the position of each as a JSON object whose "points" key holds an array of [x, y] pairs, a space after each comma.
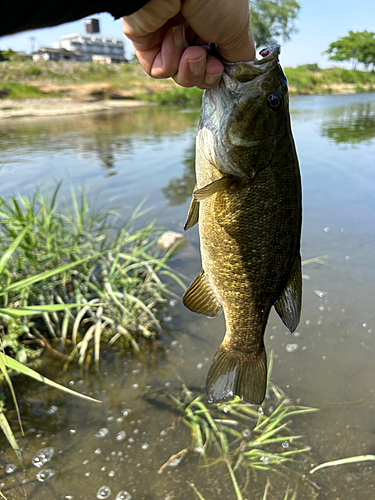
{"points": [[196, 68], [191, 69], [167, 59]]}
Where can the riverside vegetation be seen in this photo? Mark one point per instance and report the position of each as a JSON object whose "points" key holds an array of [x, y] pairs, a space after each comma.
{"points": [[82, 81]]}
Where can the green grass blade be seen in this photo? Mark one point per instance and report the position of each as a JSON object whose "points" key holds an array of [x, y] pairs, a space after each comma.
{"points": [[5, 427], [25, 370], [6, 255], [343, 461], [9, 382], [33, 310]]}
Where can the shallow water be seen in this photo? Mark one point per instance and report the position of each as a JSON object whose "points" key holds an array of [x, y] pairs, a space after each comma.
{"points": [[327, 363]]}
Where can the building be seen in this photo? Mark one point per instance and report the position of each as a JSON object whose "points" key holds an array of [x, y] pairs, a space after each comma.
{"points": [[93, 45], [89, 47], [51, 54]]}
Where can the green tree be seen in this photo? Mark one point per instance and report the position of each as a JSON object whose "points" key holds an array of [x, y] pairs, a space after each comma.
{"points": [[357, 46], [273, 20]]}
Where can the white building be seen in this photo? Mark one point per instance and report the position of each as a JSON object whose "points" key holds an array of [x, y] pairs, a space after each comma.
{"points": [[109, 49]]}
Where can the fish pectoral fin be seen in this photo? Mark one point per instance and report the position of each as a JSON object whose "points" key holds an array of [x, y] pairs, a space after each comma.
{"points": [[213, 187], [288, 306], [237, 373], [200, 298], [193, 214]]}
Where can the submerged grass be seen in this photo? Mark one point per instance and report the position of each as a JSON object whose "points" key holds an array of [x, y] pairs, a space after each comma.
{"points": [[246, 438], [81, 278]]}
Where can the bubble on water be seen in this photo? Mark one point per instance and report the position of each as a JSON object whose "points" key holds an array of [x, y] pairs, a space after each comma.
{"points": [[320, 293], [145, 446], [97, 451], [306, 277], [131, 440], [9, 468], [264, 459], [291, 347], [322, 308], [167, 384], [42, 457], [308, 322], [85, 462], [260, 411], [121, 436], [126, 412], [136, 431], [123, 495], [225, 409], [347, 257], [72, 431], [110, 419], [111, 473], [172, 302], [174, 342], [135, 386], [163, 432], [364, 325], [296, 334], [102, 432], [324, 358], [69, 497], [71, 382], [119, 420], [246, 432], [199, 366], [103, 469], [87, 474], [45, 474], [326, 229], [342, 230], [285, 444], [103, 492], [52, 410]]}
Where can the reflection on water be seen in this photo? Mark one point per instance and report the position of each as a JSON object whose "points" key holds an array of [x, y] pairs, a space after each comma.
{"points": [[331, 362], [179, 189], [352, 125]]}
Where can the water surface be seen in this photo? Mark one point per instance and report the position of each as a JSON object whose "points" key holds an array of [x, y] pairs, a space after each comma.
{"points": [[125, 156]]}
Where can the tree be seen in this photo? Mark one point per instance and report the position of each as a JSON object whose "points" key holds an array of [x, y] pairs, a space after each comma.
{"points": [[357, 46], [272, 20]]}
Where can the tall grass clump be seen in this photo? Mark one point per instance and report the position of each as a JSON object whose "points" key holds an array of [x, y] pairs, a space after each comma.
{"points": [[176, 96], [75, 278]]}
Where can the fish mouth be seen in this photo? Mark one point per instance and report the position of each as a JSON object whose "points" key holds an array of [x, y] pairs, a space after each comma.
{"points": [[247, 71]]}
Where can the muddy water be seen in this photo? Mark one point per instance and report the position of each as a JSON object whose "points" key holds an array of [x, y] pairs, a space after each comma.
{"points": [[118, 446]]}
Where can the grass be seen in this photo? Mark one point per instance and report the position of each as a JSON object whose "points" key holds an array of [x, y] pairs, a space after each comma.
{"points": [[246, 438], [82, 278], [29, 79]]}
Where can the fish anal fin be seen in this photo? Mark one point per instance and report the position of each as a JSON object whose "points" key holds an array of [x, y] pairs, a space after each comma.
{"points": [[236, 373], [288, 306], [193, 214], [200, 298], [213, 187]]}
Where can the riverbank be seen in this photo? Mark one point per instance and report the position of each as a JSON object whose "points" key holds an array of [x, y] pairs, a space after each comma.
{"points": [[61, 88]]}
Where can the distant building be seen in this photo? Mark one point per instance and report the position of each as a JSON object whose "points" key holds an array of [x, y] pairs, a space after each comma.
{"points": [[93, 45], [52, 54], [89, 47]]}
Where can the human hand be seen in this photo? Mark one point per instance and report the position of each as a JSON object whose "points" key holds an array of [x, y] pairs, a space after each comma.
{"points": [[163, 30]]}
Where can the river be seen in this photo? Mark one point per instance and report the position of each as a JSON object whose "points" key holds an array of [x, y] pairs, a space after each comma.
{"points": [[124, 157]]}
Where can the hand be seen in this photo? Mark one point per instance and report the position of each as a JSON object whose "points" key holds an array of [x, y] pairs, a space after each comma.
{"points": [[163, 34]]}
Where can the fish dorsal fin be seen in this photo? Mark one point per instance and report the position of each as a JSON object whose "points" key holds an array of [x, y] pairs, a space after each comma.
{"points": [[213, 187], [193, 213], [200, 298], [288, 306]]}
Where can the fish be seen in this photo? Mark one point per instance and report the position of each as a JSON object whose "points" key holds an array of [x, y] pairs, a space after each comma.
{"points": [[248, 206]]}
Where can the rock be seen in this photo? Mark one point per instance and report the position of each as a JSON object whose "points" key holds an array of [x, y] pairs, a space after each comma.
{"points": [[170, 239]]}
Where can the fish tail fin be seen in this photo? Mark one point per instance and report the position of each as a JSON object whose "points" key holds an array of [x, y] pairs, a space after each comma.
{"points": [[237, 373]]}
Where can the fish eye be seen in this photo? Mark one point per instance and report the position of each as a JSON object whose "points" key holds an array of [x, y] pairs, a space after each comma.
{"points": [[275, 102]]}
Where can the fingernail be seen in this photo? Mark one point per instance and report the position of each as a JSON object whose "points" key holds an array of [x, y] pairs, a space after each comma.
{"points": [[178, 36], [197, 67], [211, 79]]}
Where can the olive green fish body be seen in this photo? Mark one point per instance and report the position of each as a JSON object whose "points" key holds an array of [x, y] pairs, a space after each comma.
{"points": [[249, 225]]}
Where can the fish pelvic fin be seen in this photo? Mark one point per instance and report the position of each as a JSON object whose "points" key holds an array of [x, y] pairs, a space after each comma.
{"points": [[193, 214], [288, 306], [200, 298], [233, 373], [213, 187]]}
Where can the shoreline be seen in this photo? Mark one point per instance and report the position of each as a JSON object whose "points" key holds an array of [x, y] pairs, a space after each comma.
{"points": [[60, 106]]}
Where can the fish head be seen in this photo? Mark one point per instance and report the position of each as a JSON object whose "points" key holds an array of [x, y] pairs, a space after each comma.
{"points": [[245, 115]]}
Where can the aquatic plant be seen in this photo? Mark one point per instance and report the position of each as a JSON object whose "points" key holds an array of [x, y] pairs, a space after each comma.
{"points": [[246, 438], [81, 275]]}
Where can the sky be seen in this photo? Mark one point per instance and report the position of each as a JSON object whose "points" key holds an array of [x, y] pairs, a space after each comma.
{"points": [[319, 23]]}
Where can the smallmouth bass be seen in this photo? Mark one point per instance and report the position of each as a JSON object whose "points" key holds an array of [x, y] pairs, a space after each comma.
{"points": [[249, 208]]}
